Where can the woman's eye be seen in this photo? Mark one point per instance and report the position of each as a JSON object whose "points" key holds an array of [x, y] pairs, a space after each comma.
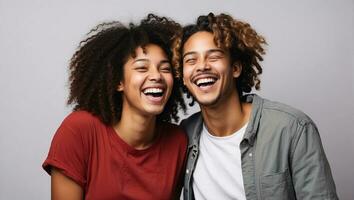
{"points": [[141, 69], [166, 69]]}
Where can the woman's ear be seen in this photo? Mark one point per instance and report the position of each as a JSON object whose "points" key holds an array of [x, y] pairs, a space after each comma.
{"points": [[120, 87], [236, 70]]}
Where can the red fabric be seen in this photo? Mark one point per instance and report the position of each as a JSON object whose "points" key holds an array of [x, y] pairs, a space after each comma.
{"points": [[95, 157]]}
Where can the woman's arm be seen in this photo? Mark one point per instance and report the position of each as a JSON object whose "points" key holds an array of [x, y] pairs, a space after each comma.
{"points": [[64, 188]]}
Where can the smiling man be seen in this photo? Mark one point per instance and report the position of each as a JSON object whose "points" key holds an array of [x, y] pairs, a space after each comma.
{"points": [[242, 146]]}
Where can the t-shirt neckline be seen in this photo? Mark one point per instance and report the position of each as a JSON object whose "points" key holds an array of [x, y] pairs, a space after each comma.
{"points": [[131, 150]]}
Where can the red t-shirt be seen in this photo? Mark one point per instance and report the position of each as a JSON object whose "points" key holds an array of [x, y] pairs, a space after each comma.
{"points": [[95, 157]]}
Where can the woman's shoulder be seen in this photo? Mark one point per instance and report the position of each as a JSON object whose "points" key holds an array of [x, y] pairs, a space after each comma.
{"points": [[173, 131], [80, 116], [171, 127], [80, 119], [81, 124]]}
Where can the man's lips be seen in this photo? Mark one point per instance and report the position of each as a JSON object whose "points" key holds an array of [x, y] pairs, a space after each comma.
{"points": [[205, 81]]}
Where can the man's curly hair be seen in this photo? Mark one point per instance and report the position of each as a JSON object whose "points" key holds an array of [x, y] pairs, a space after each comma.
{"points": [[244, 44], [96, 68]]}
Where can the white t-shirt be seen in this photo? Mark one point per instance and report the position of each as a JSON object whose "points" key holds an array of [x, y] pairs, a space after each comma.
{"points": [[218, 172]]}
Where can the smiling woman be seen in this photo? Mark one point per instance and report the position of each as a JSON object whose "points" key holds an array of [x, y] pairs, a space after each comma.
{"points": [[148, 81], [118, 142]]}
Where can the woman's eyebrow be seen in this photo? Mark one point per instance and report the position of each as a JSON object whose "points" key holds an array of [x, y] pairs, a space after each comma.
{"points": [[141, 60]]}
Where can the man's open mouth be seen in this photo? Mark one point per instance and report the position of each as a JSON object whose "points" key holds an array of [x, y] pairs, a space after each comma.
{"points": [[203, 82]]}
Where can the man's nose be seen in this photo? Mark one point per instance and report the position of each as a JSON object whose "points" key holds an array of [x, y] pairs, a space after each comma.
{"points": [[203, 65]]}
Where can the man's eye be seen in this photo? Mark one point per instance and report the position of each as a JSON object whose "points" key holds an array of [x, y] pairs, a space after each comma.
{"points": [[214, 58], [190, 61]]}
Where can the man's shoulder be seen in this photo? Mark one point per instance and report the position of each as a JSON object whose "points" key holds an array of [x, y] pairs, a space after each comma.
{"points": [[191, 119], [191, 123], [276, 110]]}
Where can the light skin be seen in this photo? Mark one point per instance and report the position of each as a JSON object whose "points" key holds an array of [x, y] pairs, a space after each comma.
{"points": [[146, 86], [210, 77]]}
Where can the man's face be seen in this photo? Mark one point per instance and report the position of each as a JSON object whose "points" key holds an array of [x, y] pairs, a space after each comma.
{"points": [[207, 71]]}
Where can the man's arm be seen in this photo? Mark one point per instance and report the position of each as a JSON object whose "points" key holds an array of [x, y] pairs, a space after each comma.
{"points": [[311, 173]]}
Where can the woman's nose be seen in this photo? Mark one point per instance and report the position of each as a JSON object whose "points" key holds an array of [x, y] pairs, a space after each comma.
{"points": [[155, 75]]}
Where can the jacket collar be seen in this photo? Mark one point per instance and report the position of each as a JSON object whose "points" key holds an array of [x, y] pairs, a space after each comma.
{"points": [[196, 130], [253, 123]]}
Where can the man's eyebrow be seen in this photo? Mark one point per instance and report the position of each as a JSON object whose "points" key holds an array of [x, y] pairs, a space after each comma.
{"points": [[215, 50], [207, 52], [188, 53]]}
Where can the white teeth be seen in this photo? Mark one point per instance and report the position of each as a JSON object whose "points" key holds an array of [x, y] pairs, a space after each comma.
{"points": [[205, 80], [153, 90]]}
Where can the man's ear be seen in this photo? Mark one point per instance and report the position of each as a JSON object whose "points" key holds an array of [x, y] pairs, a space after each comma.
{"points": [[236, 70], [120, 87]]}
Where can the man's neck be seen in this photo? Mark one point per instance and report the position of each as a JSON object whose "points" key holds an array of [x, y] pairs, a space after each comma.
{"points": [[227, 117], [136, 130]]}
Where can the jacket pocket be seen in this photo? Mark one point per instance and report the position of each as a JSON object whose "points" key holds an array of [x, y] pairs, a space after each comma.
{"points": [[277, 186]]}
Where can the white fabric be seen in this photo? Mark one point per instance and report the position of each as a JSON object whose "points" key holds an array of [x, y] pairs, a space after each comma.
{"points": [[218, 172]]}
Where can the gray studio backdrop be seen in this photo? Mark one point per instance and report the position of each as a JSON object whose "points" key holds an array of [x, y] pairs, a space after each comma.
{"points": [[309, 65]]}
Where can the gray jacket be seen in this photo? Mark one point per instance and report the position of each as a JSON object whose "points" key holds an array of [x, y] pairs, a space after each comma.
{"points": [[281, 152]]}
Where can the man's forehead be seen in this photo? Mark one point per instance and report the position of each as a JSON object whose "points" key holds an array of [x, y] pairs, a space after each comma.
{"points": [[200, 42], [206, 52]]}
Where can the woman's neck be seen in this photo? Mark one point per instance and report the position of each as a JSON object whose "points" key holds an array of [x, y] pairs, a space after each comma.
{"points": [[136, 130]]}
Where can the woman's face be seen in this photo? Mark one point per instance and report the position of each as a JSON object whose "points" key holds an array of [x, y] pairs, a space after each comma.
{"points": [[147, 81]]}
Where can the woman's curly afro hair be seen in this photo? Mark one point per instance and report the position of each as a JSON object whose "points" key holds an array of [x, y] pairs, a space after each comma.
{"points": [[96, 68], [244, 44]]}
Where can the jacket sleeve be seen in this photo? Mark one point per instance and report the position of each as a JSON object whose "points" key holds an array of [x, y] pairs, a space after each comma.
{"points": [[311, 173]]}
